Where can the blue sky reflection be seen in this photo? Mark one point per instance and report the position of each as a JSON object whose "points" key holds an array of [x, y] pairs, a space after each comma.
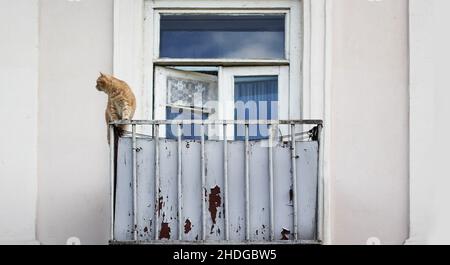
{"points": [[215, 36]]}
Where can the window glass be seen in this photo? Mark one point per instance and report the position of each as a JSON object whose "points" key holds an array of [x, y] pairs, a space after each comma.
{"points": [[256, 98], [222, 36]]}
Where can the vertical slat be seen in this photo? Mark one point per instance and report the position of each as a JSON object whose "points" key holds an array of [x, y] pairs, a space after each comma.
{"points": [[271, 176], [247, 184], [157, 178], [135, 232], [202, 136], [294, 180], [320, 186], [112, 180], [225, 180], [180, 195]]}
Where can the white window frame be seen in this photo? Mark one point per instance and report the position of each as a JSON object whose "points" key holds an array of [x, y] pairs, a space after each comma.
{"points": [[227, 74], [133, 26], [292, 55]]}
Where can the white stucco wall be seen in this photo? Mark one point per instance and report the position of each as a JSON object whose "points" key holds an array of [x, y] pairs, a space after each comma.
{"points": [[369, 106], [76, 40], [18, 117], [430, 109]]}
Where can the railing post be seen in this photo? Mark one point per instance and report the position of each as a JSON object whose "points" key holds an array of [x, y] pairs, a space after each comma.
{"points": [[179, 186], [320, 187], [157, 178], [247, 183], [271, 175], [135, 232], [112, 158], [203, 175], [294, 179], [225, 181]]}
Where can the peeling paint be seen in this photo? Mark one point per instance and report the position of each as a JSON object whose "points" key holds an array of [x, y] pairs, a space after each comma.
{"points": [[285, 234], [160, 204], [165, 202], [214, 201], [165, 231], [187, 226]]}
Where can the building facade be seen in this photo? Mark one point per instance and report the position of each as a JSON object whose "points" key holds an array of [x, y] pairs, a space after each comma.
{"points": [[373, 71]]}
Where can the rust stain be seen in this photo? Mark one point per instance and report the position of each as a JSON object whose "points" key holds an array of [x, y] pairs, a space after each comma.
{"points": [[187, 226], [285, 234], [160, 205], [165, 231], [214, 201]]}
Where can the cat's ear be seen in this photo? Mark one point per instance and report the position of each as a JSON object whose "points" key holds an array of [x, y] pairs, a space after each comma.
{"points": [[102, 74]]}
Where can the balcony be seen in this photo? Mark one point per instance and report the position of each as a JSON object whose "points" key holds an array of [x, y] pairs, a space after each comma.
{"points": [[217, 189]]}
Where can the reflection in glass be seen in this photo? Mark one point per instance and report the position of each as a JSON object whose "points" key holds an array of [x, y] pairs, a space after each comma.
{"points": [[222, 36]]}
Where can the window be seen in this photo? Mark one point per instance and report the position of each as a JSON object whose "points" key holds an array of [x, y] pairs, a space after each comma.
{"points": [[222, 36], [190, 42]]}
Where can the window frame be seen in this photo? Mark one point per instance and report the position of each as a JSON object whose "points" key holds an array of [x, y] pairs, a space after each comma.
{"points": [[228, 74], [293, 41]]}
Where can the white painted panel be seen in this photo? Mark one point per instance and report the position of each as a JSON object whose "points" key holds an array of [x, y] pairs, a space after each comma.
{"points": [[76, 42], [18, 108], [214, 196], [368, 156], [429, 129]]}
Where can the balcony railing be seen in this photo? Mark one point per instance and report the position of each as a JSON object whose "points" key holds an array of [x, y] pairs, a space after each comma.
{"points": [[216, 189]]}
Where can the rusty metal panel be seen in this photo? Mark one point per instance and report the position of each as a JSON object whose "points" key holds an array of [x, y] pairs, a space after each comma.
{"points": [[145, 189], [123, 225], [192, 193], [215, 226], [259, 192]]}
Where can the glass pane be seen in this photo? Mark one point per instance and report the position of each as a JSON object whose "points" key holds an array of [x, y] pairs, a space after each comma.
{"points": [[190, 92], [222, 36], [256, 98]]}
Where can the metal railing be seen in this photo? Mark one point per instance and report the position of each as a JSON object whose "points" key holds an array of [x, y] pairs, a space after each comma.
{"points": [[273, 127]]}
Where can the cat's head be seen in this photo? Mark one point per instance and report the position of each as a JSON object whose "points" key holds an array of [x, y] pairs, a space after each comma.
{"points": [[103, 82]]}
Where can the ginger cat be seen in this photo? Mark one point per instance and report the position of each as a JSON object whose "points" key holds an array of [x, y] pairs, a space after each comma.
{"points": [[121, 100]]}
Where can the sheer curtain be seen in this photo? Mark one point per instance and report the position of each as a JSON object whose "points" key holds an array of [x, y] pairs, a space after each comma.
{"points": [[256, 98]]}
